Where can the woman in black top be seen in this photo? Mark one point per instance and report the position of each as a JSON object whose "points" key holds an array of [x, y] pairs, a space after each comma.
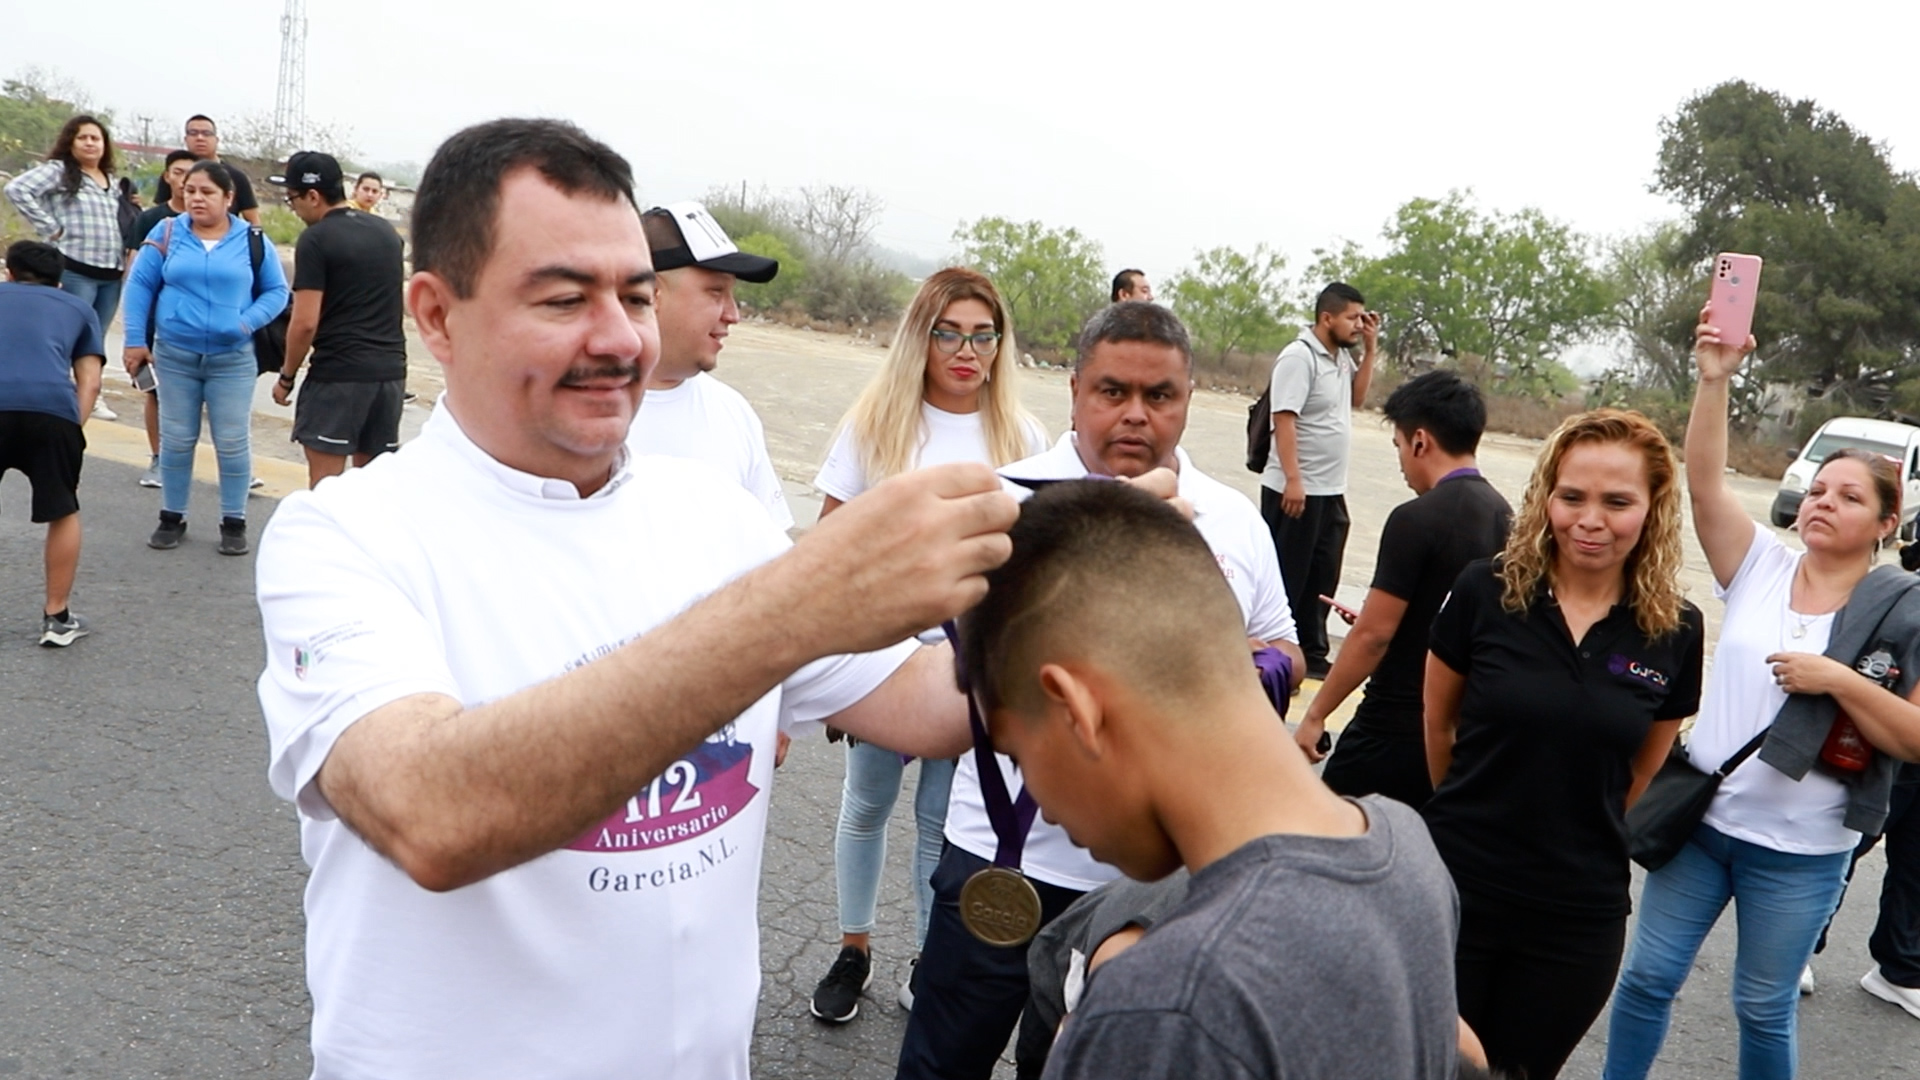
{"points": [[1557, 678]]}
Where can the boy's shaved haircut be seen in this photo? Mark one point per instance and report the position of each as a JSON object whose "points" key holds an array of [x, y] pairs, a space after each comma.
{"points": [[1105, 572]]}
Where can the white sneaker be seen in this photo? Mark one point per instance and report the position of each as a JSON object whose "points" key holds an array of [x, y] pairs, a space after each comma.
{"points": [[906, 988], [101, 412], [256, 484], [1806, 980], [1876, 984]]}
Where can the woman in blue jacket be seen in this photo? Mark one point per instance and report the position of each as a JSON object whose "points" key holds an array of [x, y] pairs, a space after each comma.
{"points": [[193, 301]]}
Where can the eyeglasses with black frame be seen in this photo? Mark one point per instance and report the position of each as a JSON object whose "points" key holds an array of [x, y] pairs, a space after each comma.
{"points": [[985, 342]]}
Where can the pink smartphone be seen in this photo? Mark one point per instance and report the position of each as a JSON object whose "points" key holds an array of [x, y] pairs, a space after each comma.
{"points": [[1736, 281], [1336, 605]]}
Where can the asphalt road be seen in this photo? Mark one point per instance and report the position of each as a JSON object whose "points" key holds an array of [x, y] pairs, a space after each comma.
{"points": [[150, 883]]}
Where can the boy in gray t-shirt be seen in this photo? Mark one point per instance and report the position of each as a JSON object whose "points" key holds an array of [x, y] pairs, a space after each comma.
{"points": [[1109, 660]]}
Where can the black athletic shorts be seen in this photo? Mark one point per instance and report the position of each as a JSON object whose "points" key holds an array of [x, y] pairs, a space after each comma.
{"points": [[344, 418], [49, 450]]}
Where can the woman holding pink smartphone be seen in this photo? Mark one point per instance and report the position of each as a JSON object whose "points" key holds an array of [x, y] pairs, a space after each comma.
{"points": [[1817, 658]]}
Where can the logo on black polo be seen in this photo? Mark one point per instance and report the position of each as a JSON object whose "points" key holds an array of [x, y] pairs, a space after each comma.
{"points": [[1621, 665]]}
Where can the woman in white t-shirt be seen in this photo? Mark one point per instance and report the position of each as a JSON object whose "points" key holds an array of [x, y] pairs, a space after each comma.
{"points": [[946, 394], [1779, 847]]}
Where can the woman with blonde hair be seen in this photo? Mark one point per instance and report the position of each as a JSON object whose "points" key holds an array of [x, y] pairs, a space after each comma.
{"points": [[945, 394], [1557, 677], [1818, 660]]}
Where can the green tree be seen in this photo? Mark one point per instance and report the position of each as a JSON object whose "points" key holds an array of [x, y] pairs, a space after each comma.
{"points": [[1657, 293], [786, 285], [33, 107], [1234, 301], [1839, 307], [1515, 289], [1052, 279]]}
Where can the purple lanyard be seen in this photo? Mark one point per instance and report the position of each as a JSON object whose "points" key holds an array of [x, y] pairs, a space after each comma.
{"points": [[1011, 817], [1468, 471]]}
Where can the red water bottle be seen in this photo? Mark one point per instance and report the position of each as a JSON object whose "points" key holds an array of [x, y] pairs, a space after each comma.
{"points": [[1846, 749]]}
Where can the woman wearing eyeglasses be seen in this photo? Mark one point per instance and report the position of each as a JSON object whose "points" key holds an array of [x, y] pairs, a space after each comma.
{"points": [[945, 394]]}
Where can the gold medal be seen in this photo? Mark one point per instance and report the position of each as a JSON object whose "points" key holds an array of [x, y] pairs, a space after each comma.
{"points": [[1000, 907]]}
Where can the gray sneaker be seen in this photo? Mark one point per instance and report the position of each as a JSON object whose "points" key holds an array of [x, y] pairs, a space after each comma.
{"points": [[57, 633], [151, 478]]}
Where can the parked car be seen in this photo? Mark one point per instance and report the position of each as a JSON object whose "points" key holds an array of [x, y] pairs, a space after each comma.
{"points": [[1900, 442]]}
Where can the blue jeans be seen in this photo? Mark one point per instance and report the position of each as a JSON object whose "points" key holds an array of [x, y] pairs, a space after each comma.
{"points": [[102, 296], [860, 839], [1780, 903], [223, 383]]}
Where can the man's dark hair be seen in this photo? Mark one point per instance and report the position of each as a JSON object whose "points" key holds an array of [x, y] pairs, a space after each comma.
{"points": [[177, 155], [1132, 320], [458, 200], [201, 116], [34, 263], [1102, 570], [1335, 298], [369, 176], [1123, 282], [1445, 404], [214, 171]]}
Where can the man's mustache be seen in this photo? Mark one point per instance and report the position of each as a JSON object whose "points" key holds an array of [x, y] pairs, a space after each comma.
{"points": [[581, 376]]}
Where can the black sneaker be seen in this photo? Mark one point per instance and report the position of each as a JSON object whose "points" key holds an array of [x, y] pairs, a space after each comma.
{"points": [[233, 536], [1318, 669], [173, 527], [58, 633], [837, 998]]}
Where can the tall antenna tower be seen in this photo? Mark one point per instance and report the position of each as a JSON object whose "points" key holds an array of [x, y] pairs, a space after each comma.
{"points": [[290, 102]]}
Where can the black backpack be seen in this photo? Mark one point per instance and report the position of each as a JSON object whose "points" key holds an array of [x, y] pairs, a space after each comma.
{"points": [[1260, 432]]}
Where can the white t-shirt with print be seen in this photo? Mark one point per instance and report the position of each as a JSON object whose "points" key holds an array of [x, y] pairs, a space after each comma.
{"points": [[946, 439], [634, 950], [1242, 545], [1757, 802], [707, 420]]}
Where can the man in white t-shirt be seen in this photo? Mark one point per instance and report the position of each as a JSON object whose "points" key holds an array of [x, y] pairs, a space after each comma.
{"points": [[687, 412], [1132, 384], [524, 690]]}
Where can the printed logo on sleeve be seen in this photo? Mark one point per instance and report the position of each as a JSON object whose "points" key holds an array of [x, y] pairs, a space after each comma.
{"points": [[695, 795]]}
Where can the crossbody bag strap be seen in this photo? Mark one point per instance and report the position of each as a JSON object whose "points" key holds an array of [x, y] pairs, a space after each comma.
{"points": [[1743, 753]]}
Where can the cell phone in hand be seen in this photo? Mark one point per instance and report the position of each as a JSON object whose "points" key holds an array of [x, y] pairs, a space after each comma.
{"points": [[1346, 612], [143, 379], [1736, 281]]}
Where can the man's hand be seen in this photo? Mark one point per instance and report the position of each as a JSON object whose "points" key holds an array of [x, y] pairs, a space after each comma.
{"points": [[1370, 331], [1717, 359], [136, 358], [1162, 483], [908, 554], [1307, 737], [282, 393], [1293, 501]]}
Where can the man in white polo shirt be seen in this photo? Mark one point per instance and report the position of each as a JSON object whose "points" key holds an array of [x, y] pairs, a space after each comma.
{"points": [[687, 412], [525, 694], [1132, 384]]}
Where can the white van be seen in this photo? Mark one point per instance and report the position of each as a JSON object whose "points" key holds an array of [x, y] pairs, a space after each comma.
{"points": [[1898, 441]]}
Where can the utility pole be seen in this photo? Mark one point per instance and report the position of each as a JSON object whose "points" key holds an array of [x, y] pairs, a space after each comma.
{"points": [[290, 101]]}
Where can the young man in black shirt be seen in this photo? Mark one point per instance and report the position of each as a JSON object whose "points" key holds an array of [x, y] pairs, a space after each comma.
{"points": [[1458, 517], [203, 142], [347, 306]]}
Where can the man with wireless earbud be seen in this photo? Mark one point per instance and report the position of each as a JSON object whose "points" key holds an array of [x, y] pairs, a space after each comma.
{"points": [[1458, 517]]}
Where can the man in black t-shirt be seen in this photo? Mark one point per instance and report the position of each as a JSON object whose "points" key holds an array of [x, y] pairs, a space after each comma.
{"points": [[1458, 517], [203, 142], [347, 306]]}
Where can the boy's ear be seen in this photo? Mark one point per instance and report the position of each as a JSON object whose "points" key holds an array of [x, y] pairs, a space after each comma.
{"points": [[1076, 701]]}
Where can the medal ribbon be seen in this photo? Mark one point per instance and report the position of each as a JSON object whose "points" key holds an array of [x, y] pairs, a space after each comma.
{"points": [[1010, 816]]}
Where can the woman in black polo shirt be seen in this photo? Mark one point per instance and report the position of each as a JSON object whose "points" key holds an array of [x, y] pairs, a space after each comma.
{"points": [[1558, 675]]}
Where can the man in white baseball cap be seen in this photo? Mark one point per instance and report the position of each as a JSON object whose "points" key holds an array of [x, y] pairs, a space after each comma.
{"points": [[687, 412]]}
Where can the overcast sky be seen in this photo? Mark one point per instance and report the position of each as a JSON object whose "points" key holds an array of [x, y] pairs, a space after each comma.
{"points": [[1156, 129]]}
